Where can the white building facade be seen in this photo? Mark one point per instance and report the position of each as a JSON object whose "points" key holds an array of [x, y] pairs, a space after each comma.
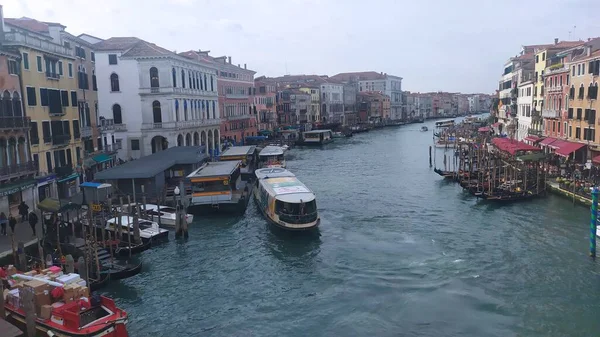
{"points": [[474, 103], [332, 102], [152, 98], [524, 108], [389, 85]]}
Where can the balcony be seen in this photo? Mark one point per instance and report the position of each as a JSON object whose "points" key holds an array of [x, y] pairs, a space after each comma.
{"points": [[61, 139], [157, 90], [63, 111], [86, 131], [52, 76], [237, 96], [18, 170], [558, 88], [11, 123], [19, 38], [180, 125], [236, 118], [534, 132], [550, 113]]}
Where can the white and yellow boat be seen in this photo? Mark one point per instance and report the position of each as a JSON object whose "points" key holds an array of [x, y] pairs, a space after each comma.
{"points": [[284, 200]]}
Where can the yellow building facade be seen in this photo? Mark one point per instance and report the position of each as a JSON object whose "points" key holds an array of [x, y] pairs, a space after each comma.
{"points": [[538, 89], [582, 117], [315, 103], [49, 81]]}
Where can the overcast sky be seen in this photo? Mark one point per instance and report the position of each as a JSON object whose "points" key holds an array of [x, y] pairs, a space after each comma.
{"points": [[457, 45]]}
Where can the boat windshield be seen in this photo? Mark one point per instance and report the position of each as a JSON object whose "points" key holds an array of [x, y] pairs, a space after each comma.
{"points": [[296, 213], [168, 209]]}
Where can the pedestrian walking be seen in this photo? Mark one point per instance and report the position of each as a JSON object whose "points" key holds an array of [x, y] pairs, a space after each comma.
{"points": [[23, 211], [12, 222], [3, 221], [33, 220]]}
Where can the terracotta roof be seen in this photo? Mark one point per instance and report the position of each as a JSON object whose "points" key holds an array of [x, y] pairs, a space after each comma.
{"points": [[359, 76], [203, 56], [143, 48], [29, 24], [117, 43]]}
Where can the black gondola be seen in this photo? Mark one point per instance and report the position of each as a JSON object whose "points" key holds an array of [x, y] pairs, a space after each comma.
{"points": [[123, 248], [120, 269]]}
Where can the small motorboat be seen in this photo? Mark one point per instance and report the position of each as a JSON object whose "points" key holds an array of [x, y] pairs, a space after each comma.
{"points": [[153, 212], [149, 230], [424, 128], [338, 135]]}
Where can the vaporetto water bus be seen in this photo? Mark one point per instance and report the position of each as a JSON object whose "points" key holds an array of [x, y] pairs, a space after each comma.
{"points": [[284, 200], [271, 157]]}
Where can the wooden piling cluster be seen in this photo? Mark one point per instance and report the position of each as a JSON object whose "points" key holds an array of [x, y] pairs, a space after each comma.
{"points": [[498, 169]]}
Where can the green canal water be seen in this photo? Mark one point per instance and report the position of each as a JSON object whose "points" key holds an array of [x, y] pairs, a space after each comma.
{"points": [[400, 253]]}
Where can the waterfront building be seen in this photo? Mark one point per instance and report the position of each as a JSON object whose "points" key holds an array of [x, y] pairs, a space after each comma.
{"points": [[332, 102], [373, 106], [155, 99], [350, 91], [17, 169], [314, 110], [292, 107], [543, 54], [264, 101], [48, 74], [555, 96], [373, 81], [236, 91], [512, 76], [581, 119], [524, 106]]}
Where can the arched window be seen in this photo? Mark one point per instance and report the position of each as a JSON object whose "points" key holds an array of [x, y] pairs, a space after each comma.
{"points": [[214, 109], [182, 78], [117, 117], [185, 110], [559, 104], [156, 112], [114, 82], [190, 80], [176, 110], [581, 92], [154, 78], [212, 88], [205, 81], [196, 81], [17, 104], [7, 104], [174, 78], [201, 84]]}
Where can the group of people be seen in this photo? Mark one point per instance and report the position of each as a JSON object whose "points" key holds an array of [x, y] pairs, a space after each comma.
{"points": [[11, 221]]}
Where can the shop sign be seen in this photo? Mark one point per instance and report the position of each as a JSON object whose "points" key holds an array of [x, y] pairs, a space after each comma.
{"points": [[46, 179], [16, 189], [96, 207]]}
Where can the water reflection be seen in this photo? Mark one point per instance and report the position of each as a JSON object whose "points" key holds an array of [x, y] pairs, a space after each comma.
{"points": [[290, 246]]}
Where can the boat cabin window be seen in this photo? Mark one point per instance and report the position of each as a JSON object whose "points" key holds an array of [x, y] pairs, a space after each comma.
{"points": [[154, 213], [296, 208], [313, 135], [145, 225], [168, 209]]}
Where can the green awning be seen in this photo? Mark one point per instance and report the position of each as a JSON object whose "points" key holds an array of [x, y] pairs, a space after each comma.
{"points": [[67, 178], [101, 158], [89, 162], [55, 205], [16, 187], [532, 157]]}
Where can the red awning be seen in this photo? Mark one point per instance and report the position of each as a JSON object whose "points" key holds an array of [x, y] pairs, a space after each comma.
{"points": [[547, 141], [496, 124], [596, 160], [513, 146], [533, 139], [566, 148], [484, 129]]}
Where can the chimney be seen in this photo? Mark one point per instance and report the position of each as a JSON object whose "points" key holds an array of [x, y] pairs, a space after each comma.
{"points": [[556, 40], [229, 58], [245, 66], [589, 50], [239, 65]]}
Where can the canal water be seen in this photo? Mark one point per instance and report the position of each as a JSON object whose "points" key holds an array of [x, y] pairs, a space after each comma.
{"points": [[400, 253]]}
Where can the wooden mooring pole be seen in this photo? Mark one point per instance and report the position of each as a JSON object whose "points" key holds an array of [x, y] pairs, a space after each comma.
{"points": [[430, 156], [593, 222]]}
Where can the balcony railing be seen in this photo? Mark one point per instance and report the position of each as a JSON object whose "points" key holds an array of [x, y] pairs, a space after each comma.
{"points": [[16, 170], [558, 88], [63, 111], [52, 76], [237, 96], [550, 113], [240, 117], [61, 139], [86, 131], [8, 123], [534, 132], [18, 38], [178, 125]]}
